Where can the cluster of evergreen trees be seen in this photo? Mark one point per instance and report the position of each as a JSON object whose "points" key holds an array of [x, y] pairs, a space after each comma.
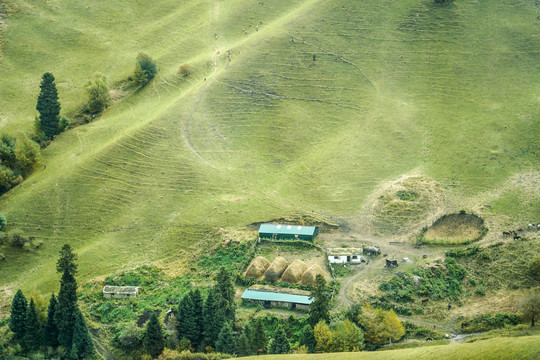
{"points": [[65, 327]]}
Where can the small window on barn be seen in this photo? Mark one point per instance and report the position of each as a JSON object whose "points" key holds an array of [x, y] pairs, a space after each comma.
{"points": [[336, 257], [355, 257], [296, 236]]}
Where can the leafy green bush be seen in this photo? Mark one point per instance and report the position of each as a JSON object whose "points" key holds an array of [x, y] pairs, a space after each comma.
{"points": [[145, 70], [413, 331], [487, 322], [17, 238], [3, 222], [233, 257], [455, 253], [99, 97], [437, 282]]}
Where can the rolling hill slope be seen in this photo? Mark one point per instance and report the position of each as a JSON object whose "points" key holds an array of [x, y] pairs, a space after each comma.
{"points": [[293, 108]]}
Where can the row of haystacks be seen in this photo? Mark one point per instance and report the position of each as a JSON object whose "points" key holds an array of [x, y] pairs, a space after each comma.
{"points": [[296, 272]]}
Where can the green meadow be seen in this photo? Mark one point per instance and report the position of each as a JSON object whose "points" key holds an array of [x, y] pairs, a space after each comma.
{"points": [[293, 108], [497, 348]]}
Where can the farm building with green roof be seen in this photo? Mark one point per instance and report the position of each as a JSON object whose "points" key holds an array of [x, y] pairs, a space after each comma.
{"points": [[277, 298], [287, 232]]}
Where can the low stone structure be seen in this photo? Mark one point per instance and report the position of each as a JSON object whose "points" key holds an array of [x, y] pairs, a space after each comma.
{"points": [[120, 292]]}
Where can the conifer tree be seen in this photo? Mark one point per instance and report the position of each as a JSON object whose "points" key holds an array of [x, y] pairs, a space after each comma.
{"points": [[17, 320], [319, 309], [279, 344], [50, 331], [190, 318], [195, 333], [307, 338], [225, 341], [82, 345], [48, 106], [154, 343], [67, 261], [32, 329], [213, 317], [244, 347], [225, 288], [65, 311], [258, 336]]}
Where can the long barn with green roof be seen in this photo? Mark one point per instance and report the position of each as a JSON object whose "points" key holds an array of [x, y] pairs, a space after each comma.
{"points": [[287, 232]]}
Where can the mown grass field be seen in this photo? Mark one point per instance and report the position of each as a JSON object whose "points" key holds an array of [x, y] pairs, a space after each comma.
{"points": [[498, 348], [294, 108]]}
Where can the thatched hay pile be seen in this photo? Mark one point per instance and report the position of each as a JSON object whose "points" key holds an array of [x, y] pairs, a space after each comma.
{"points": [[276, 269], [294, 272], [257, 268], [309, 276]]}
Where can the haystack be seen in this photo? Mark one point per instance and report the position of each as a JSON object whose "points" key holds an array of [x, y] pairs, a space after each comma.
{"points": [[276, 269], [309, 276], [294, 272], [257, 267]]}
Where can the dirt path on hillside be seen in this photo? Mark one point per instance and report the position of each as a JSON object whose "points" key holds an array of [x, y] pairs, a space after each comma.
{"points": [[190, 116], [100, 349]]}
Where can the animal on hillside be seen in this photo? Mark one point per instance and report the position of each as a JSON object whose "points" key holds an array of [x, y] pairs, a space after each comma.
{"points": [[464, 325], [507, 233], [424, 301], [517, 237]]}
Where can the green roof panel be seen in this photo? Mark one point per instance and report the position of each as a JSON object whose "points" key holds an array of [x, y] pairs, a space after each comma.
{"points": [[288, 229], [273, 296]]}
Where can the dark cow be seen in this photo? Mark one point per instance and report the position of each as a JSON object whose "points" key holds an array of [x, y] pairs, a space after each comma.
{"points": [[424, 301], [464, 325]]}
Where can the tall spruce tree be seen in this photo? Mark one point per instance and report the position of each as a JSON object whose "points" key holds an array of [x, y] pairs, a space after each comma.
{"points": [[225, 288], [225, 342], [213, 317], [50, 331], [243, 347], [190, 318], [66, 309], [82, 345], [319, 309], [279, 344], [32, 329], [196, 333], [154, 343], [48, 106], [17, 320], [67, 261], [307, 338], [258, 336]]}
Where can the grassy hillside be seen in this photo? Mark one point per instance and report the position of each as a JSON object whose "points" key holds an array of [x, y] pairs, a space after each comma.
{"points": [[294, 108], [497, 348]]}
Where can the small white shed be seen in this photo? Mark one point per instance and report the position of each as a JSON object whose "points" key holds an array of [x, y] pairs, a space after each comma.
{"points": [[345, 256], [120, 292]]}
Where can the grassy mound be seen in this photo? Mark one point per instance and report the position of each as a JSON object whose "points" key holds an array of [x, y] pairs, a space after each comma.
{"points": [[404, 203], [455, 229]]}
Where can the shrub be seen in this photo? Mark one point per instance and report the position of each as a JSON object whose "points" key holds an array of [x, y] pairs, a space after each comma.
{"points": [[2, 256], [185, 70], [534, 267], [7, 178], [3, 222], [26, 153], [130, 338], [99, 97], [487, 322], [462, 252], [145, 70], [17, 238], [63, 124]]}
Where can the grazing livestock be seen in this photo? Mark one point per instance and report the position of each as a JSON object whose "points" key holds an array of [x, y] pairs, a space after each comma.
{"points": [[424, 301], [464, 325], [517, 237], [507, 233]]}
